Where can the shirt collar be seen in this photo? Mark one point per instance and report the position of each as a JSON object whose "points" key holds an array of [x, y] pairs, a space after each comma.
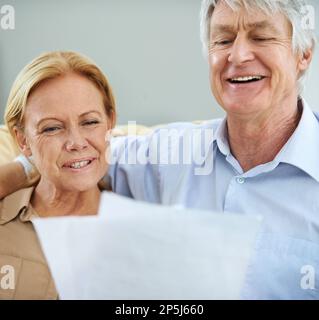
{"points": [[301, 150], [221, 137], [15, 204]]}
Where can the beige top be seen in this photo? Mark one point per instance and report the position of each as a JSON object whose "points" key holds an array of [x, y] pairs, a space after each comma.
{"points": [[20, 250]]}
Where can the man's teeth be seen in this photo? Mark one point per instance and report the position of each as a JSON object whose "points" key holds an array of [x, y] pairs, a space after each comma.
{"points": [[245, 79], [80, 164]]}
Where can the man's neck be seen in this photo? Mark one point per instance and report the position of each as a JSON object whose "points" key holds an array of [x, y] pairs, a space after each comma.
{"points": [[255, 141]]}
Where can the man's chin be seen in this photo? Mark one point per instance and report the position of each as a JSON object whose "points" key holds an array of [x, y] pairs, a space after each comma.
{"points": [[242, 107]]}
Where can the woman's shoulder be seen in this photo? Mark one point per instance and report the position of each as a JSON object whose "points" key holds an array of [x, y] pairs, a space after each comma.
{"points": [[21, 255], [12, 205]]}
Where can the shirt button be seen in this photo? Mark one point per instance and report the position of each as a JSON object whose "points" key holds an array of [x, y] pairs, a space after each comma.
{"points": [[240, 180]]}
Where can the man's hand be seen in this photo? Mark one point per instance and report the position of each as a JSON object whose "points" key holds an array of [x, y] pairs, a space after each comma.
{"points": [[13, 178]]}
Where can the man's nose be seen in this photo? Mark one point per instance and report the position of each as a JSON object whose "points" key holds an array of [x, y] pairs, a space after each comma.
{"points": [[75, 141], [241, 51]]}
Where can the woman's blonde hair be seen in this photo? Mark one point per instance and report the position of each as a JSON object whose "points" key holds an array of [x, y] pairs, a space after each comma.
{"points": [[51, 65]]}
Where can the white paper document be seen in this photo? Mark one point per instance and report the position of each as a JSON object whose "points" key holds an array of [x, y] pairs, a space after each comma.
{"points": [[134, 250]]}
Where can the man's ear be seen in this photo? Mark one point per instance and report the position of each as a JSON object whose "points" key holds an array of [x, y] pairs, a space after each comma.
{"points": [[305, 59], [22, 142]]}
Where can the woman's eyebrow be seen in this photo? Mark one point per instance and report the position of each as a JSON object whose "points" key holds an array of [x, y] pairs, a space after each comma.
{"points": [[89, 112], [56, 119], [46, 119]]}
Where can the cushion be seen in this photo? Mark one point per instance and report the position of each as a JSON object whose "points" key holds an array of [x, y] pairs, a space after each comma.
{"points": [[8, 148]]}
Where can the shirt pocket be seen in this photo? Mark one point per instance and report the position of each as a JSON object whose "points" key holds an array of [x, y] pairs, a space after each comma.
{"points": [[282, 268], [24, 279]]}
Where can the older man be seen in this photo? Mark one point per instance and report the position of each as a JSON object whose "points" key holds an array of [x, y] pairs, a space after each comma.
{"points": [[264, 156]]}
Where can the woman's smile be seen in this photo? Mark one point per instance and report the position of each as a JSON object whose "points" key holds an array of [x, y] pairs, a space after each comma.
{"points": [[79, 165]]}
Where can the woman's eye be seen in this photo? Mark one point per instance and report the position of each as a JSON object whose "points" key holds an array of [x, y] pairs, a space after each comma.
{"points": [[91, 122], [51, 129]]}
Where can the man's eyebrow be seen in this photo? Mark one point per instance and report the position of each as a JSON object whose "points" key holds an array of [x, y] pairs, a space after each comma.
{"points": [[225, 28], [263, 25]]}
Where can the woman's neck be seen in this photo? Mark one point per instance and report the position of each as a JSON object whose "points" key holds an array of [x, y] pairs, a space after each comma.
{"points": [[48, 201]]}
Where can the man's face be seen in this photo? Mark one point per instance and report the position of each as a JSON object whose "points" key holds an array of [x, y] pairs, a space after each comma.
{"points": [[252, 65]]}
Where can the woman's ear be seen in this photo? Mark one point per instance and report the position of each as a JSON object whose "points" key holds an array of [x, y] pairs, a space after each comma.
{"points": [[22, 141], [111, 120]]}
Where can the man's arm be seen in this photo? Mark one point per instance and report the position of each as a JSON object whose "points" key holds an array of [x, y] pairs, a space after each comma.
{"points": [[12, 178]]}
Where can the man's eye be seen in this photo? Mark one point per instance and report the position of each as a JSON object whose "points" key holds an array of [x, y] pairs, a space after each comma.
{"points": [[259, 39], [223, 42]]}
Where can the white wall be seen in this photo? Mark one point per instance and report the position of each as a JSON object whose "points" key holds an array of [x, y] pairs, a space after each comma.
{"points": [[149, 49]]}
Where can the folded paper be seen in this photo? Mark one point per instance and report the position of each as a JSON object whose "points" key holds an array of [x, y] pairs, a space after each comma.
{"points": [[135, 250]]}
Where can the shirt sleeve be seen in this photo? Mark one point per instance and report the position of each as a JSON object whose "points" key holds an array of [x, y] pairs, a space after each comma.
{"points": [[159, 167], [131, 172]]}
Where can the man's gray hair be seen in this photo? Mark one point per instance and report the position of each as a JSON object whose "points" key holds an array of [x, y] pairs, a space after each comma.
{"points": [[303, 35]]}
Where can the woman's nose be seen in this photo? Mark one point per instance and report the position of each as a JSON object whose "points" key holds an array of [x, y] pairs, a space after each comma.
{"points": [[241, 52], [76, 141]]}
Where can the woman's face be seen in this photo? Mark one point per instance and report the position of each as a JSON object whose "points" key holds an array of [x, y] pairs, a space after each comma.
{"points": [[65, 132]]}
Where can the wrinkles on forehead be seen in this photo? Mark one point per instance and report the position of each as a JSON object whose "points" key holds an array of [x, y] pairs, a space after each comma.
{"points": [[228, 20]]}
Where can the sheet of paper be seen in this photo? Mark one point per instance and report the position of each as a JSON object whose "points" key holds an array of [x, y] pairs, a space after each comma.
{"points": [[134, 250]]}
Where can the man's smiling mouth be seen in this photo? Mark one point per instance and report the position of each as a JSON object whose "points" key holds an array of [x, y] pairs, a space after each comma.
{"points": [[245, 79]]}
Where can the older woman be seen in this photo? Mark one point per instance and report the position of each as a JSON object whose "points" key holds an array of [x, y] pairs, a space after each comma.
{"points": [[59, 111]]}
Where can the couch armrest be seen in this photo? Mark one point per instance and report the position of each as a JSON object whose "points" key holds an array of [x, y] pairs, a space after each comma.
{"points": [[8, 148]]}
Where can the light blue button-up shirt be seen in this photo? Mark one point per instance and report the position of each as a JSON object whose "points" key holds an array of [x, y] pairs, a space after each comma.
{"points": [[285, 191]]}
